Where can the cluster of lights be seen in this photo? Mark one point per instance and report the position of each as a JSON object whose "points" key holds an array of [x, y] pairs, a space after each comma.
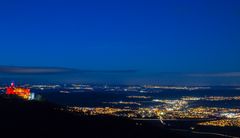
{"points": [[222, 123], [19, 91]]}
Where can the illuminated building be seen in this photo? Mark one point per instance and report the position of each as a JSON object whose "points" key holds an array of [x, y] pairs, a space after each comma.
{"points": [[22, 92]]}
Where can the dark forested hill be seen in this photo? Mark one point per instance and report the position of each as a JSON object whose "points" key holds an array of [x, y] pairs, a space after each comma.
{"points": [[31, 119]]}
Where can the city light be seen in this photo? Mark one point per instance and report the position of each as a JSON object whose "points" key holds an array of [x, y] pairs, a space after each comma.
{"points": [[25, 93]]}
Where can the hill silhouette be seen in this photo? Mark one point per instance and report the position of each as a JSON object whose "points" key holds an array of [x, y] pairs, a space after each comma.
{"points": [[32, 119]]}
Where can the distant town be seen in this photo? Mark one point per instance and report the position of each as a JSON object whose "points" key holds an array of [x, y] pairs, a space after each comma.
{"points": [[140, 103]]}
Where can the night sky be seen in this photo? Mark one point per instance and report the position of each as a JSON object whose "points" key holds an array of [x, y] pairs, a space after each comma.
{"points": [[183, 36]]}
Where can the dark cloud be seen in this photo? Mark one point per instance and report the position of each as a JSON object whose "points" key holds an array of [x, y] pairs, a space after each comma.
{"points": [[224, 74], [33, 70], [54, 70]]}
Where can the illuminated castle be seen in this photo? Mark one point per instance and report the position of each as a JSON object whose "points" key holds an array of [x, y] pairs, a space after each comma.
{"points": [[22, 92]]}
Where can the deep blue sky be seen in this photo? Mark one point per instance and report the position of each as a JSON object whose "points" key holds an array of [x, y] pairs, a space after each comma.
{"points": [[146, 35]]}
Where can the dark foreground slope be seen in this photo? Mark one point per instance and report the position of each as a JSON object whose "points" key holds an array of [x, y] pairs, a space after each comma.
{"points": [[29, 119]]}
